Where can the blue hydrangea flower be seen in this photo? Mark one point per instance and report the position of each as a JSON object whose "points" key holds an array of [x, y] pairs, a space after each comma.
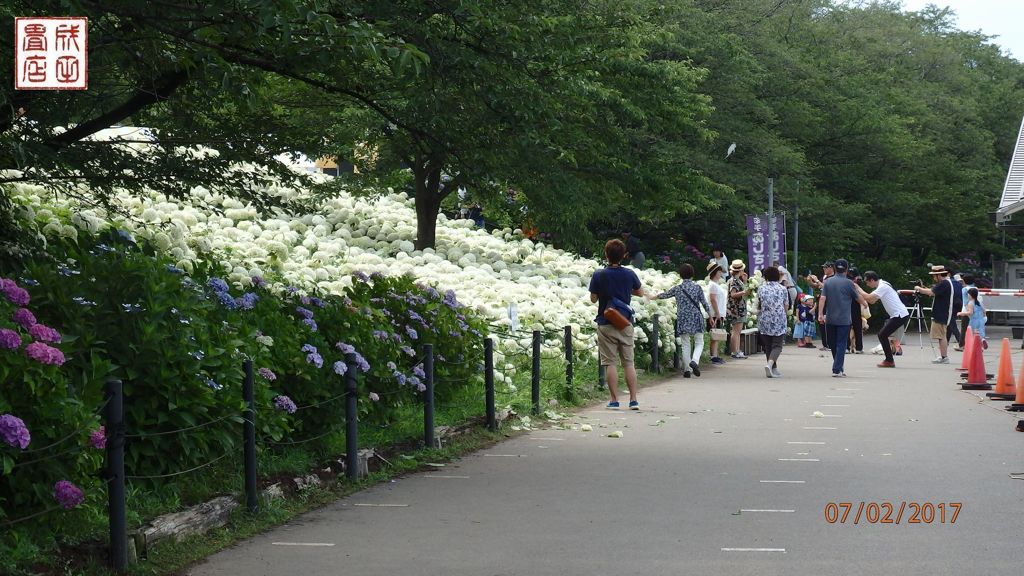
{"points": [[311, 323], [174, 269], [345, 348], [418, 371], [305, 313], [247, 301], [340, 368], [227, 301], [412, 333], [217, 285]]}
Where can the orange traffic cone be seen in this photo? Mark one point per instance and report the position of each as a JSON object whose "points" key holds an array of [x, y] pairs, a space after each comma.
{"points": [[1018, 403], [1004, 376], [968, 346], [976, 377]]}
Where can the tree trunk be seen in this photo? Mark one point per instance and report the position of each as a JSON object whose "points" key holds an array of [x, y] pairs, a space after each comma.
{"points": [[428, 201], [919, 256]]}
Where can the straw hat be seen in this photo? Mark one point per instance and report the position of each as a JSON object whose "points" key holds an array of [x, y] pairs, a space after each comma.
{"points": [[737, 265], [938, 270], [712, 268]]}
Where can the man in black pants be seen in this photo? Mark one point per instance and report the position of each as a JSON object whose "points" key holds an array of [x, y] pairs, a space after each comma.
{"points": [[855, 315], [882, 291]]}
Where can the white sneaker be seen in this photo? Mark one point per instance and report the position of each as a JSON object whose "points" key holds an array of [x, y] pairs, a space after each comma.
{"points": [[768, 372], [941, 360], [776, 373]]}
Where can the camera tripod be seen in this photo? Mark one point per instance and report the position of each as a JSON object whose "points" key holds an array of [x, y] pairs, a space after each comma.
{"points": [[917, 313]]}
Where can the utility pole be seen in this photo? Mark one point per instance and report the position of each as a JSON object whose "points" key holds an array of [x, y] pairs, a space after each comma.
{"points": [[796, 234]]}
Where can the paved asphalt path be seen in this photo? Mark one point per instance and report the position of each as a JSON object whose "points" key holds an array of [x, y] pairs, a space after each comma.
{"points": [[695, 486]]}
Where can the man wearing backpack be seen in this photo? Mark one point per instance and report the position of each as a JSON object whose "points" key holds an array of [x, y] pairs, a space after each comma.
{"points": [[612, 287]]}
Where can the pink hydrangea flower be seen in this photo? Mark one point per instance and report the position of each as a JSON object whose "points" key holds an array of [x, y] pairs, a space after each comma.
{"points": [[44, 354], [98, 438], [44, 333], [67, 494], [24, 317]]}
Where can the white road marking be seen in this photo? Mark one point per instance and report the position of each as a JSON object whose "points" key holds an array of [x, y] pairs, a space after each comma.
{"points": [[803, 453], [761, 510], [783, 550], [846, 389], [782, 481], [799, 460], [301, 544], [811, 443], [847, 397], [439, 476], [819, 428], [547, 438], [382, 505], [835, 405], [505, 455], [831, 416]]}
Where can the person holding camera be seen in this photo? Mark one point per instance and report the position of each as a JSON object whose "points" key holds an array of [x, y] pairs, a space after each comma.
{"points": [[882, 291], [613, 287], [942, 309]]}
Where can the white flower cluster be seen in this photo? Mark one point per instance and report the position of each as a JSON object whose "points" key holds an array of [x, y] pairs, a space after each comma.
{"points": [[488, 271]]}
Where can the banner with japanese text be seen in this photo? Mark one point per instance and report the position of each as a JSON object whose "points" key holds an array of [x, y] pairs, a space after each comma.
{"points": [[764, 246]]}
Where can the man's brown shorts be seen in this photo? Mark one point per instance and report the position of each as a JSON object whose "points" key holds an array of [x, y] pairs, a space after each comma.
{"points": [[615, 344], [938, 331]]}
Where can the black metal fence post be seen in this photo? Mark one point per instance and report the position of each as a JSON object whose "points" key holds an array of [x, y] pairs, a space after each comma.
{"points": [[492, 419], [114, 394], [568, 363], [428, 396], [655, 353], [535, 374], [351, 420], [249, 440]]}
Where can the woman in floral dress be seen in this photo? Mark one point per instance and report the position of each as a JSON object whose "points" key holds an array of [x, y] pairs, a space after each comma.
{"points": [[689, 320], [773, 303]]}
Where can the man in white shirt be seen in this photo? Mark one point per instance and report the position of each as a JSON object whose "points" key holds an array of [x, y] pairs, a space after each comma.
{"points": [[882, 291]]}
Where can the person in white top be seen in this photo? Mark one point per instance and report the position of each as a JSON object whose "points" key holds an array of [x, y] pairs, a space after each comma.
{"points": [[718, 257], [882, 291], [787, 281], [718, 299]]}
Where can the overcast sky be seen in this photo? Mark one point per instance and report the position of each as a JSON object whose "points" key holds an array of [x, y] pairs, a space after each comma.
{"points": [[1002, 18]]}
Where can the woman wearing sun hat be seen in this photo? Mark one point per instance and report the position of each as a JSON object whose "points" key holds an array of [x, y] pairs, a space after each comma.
{"points": [[737, 306], [718, 299]]}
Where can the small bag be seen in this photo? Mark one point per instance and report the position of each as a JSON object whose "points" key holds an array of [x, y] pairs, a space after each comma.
{"points": [[615, 318], [719, 334]]}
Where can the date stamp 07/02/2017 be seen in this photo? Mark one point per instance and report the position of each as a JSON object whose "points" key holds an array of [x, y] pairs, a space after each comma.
{"points": [[892, 512]]}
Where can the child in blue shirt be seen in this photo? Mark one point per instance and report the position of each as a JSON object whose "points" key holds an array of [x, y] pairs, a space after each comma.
{"points": [[804, 329]]}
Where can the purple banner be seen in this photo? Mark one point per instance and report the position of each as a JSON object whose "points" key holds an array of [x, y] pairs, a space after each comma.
{"points": [[763, 247]]}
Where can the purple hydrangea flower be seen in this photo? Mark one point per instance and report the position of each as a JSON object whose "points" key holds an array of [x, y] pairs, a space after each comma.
{"points": [[361, 362], [376, 276], [24, 317], [44, 333], [408, 351], [218, 285], [259, 282], [450, 300], [345, 348], [9, 339], [44, 354], [267, 374], [304, 300], [311, 323], [374, 397], [360, 276], [98, 438], [317, 302], [411, 332], [391, 366], [380, 335], [67, 494], [174, 269], [416, 317], [418, 371], [340, 368], [17, 295], [285, 403], [14, 432], [400, 378], [313, 357], [247, 301], [305, 313]]}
